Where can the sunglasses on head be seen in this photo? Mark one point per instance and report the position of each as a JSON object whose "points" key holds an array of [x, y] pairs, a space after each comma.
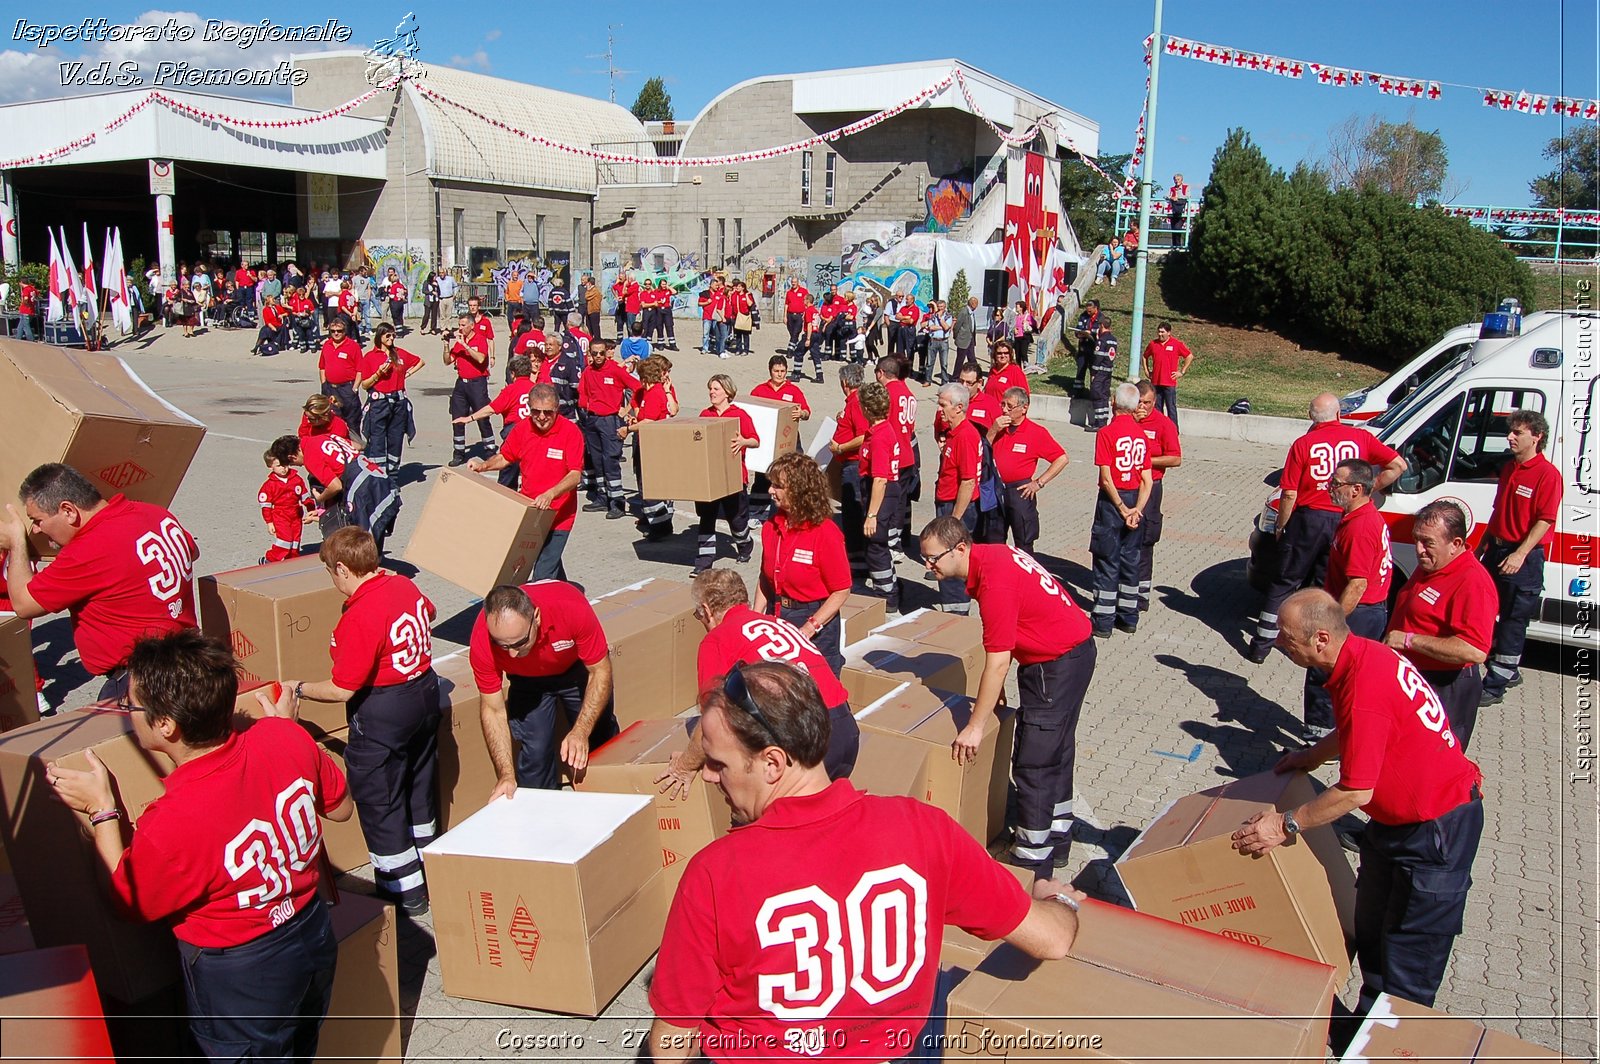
{"points": [[738, 693]]}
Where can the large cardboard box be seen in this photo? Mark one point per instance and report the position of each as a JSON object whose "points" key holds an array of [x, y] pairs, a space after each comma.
{"points": [[957, 634], [939, 650], [1299, 899], [477, 534], [776, 428], [890, 765], [653, 637], [52, 848], [19, 702], [363, 1022], [466, 775], [1137, 988], [861, 614], [94, 413], [1397, 1029], [550, 900], [690, 459], [279, 619], [630, 763], [50, 1007], [973, 793]]}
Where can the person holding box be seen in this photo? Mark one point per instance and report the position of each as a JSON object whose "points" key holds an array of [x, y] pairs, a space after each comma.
{"points": [[735, 508]]}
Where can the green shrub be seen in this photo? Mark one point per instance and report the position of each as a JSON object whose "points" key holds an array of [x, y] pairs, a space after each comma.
{"points": [[960, 291]]}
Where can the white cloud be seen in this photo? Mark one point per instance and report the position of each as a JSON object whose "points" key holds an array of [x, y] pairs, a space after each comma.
{"points": [[28, 72], [478, 60], [492, 36]]}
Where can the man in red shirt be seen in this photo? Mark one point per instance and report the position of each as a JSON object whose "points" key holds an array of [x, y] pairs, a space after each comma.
{"points": [[1166, 359], [545, 639], [769, 921], [1019, 446], [903, 334], [1443, 619], [382, 652], [27, 303], [1166, 452], [794, 311], [1359, 570], [469, 354], [983, 410], [880, 457], [481, 322], [512, 405], [956, 492], [228, 855], [849, 433], [604, 389], [548, 450], [892, 372], [338, 369], [1029, 618], [1521, 530], [1116, 539], [395, 289], [1306, 515], [125, 569], [1399, 763]]}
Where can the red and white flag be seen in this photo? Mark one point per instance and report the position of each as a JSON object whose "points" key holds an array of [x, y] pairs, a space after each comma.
{"points": [[72, 284], [115, 282], [91, 290], [59, 292]]}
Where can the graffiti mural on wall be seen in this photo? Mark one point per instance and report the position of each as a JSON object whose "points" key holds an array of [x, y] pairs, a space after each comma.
{"points": [[682, 272], [411, 264], [539, 280], [863, 241], [948, 200]]}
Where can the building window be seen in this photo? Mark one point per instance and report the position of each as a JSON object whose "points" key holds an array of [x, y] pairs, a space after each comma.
{"points": [[832, 165], [500, 235], [805, 179], [459, 240], [288, 247], [722, 241], [705, 243], [538, 237], [577, 243]]}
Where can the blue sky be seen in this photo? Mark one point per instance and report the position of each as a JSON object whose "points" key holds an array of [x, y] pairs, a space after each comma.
{"points": [[1084, 56]]}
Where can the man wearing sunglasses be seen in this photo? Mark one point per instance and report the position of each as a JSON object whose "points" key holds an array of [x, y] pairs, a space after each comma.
{"points": [[337, 368], [769, 919], [534, 650], [1029, 618], [548, 449]]}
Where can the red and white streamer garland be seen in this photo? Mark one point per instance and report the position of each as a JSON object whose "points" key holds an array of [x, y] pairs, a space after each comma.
{"points": [[1388, 84], [1527, 216]]}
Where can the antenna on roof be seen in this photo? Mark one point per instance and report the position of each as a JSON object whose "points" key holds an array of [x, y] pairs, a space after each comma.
{"points": [[609, 55]]}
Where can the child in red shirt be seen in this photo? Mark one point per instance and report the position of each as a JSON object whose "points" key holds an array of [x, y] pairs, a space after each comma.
{"points": [[286, 501]]}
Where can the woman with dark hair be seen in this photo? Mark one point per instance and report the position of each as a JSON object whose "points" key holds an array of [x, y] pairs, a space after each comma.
{"points": [[657, 400], [430, 303], [734, 508], [389, 421], [805, 571]]}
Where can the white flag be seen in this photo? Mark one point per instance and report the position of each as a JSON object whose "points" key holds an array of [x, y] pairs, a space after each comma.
{"points": [[115, 282], [72, 284], [91, 291], [58, 282]]}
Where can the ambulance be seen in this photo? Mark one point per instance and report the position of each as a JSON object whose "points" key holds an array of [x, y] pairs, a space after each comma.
{"points": [[1452, 434]]}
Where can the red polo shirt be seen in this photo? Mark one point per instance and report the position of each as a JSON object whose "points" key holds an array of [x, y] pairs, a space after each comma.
{"points": [[1313, 458], [1026, 612], [747, 429], [805, 563], [794, 300], [466, 368], [1164, 359], [1528, 492], [229, 851], [902, 408], [1019, 449], [789, 393], [384, 636], [530, 341], [983, 409], [127, 574], [653, 403], [1361, 549], [1121, 446], [603, 391], [1001, 379], [326, 456], [959, 458], [567, 632], [512, 402], [543, 459], [340, 362], [1161, 437], [1459, 599], [1395, 738], [852, 422], [483, 327], [745, 636], [336, 427], [395, 379], [883, 452]]}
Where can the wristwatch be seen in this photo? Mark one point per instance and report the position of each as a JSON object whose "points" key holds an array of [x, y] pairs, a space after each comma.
{"points": [[1291, 826], [1068, 900]]}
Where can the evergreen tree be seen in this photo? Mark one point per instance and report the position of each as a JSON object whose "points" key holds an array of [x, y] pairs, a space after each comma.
{"points": [[653, 103], [1089, 200], [960, 290], [1240, 238]]}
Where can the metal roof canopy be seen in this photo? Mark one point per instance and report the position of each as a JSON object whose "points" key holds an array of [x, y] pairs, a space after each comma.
{"points": [[343, 145]]}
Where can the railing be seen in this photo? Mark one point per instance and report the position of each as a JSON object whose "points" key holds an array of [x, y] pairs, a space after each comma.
{"points": [[666, 146], [1529, 231], [1161, 221]]}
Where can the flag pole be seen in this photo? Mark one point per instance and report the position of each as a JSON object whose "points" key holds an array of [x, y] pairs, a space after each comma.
{"points": [[1142, 255]]}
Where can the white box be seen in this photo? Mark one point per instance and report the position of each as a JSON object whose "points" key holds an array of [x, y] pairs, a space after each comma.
{"points": [[775, 426]]}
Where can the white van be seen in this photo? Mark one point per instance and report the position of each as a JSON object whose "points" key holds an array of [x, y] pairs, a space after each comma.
{"points": [[1452, 434]]}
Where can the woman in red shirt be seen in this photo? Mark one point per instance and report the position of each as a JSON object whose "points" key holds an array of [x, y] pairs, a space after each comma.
{"points": [[805, 571], [389, 421], [735, 508], [657, 400], [741, 304]]}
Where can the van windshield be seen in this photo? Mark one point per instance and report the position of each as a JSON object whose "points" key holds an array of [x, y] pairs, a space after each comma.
{"points": [[1420, 396]]}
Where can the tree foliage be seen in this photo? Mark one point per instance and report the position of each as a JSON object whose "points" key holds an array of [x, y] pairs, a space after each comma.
{"points": [[1394, 157], [1575, 182], [1358, 268], [960, 290], [1090, 201], [653, 104]]}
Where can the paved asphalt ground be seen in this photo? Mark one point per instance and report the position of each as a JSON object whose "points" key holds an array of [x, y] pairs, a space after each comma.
{"points": [[1172, 710]]}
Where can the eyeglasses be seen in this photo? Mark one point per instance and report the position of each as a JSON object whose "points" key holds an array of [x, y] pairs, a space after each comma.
{"points": [[125, 704], [737, 692], [519, 644], [1338, 483], [931, 562]]}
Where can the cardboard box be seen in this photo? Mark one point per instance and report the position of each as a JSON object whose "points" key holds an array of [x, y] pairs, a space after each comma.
{"points": [[630, 763], [776, 428], [1137, 988], [477, 534], [1299, 899], [957, 634], [14, 934], [50, 1007], [279, 619], [52, 848], [689, 459], [363, 1022], [973, 793], [342, 841], [653, 637], [19, 699], [964, 951], [1401, 1029], [939, 650], [861, 614], [92, 412], [551, 900], [890, 765], [466, 775]]}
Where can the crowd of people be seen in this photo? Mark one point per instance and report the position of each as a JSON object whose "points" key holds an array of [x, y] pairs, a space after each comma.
{"points": [[1392, 695]]}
